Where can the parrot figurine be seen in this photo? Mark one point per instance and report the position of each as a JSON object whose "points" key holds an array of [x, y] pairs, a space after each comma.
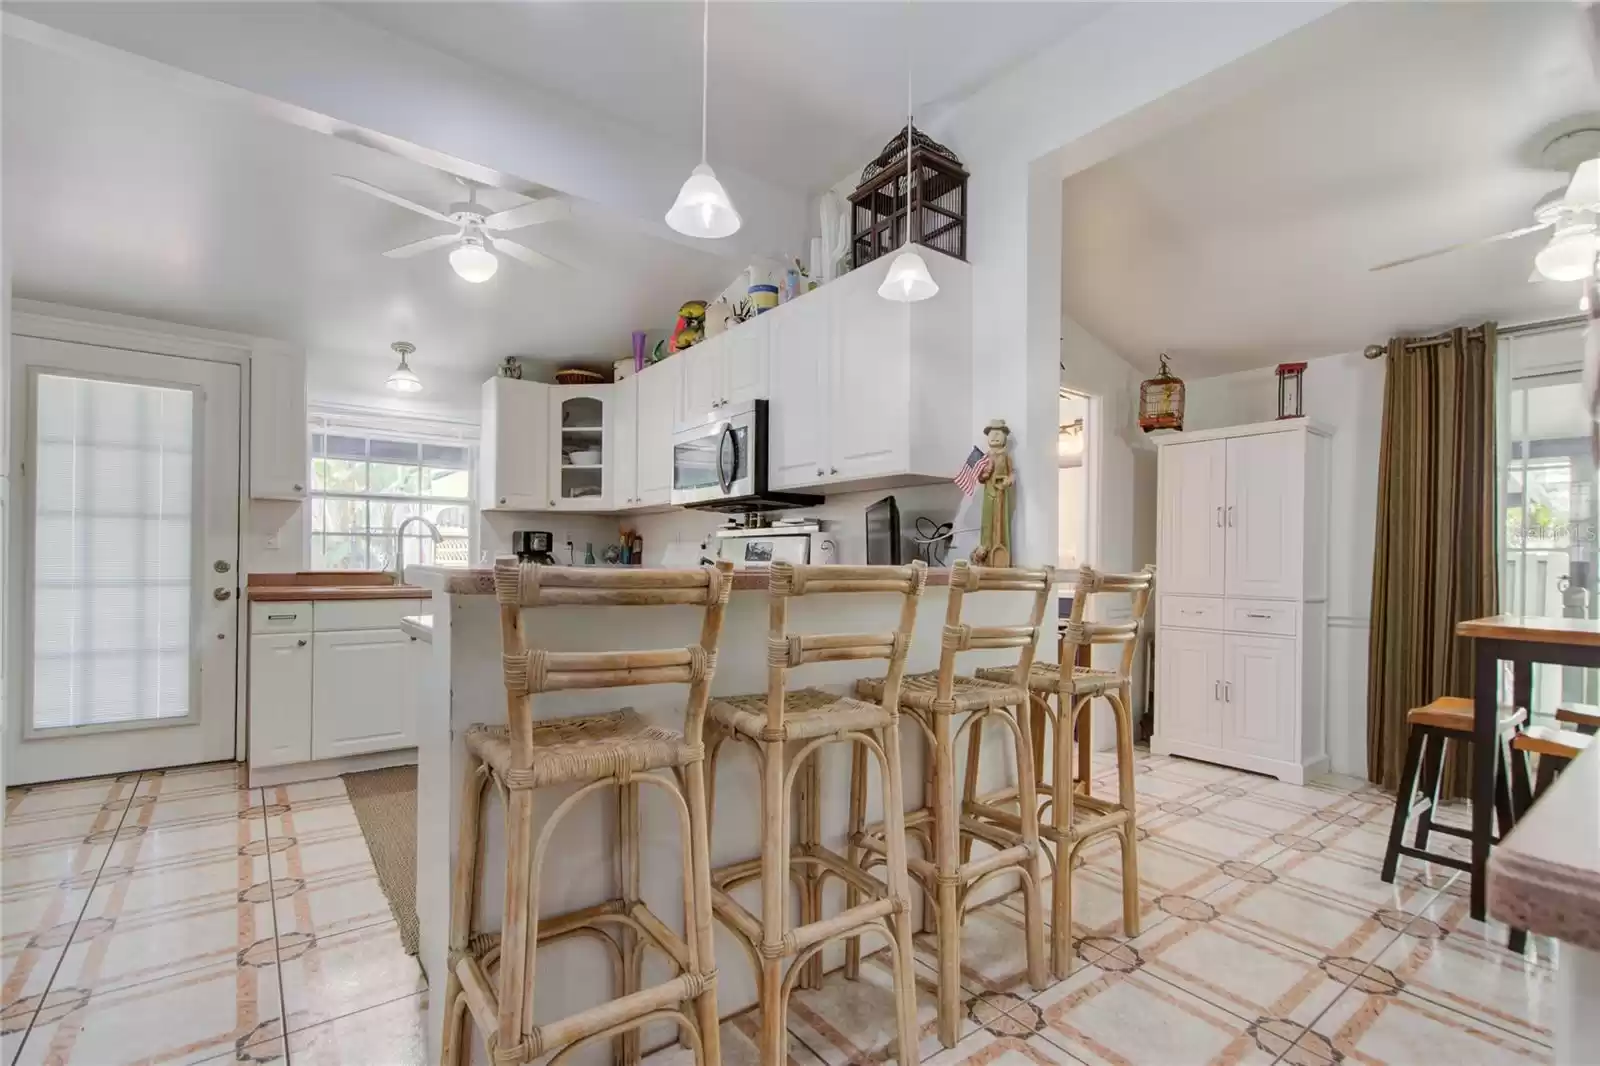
{"points": [[691, 327]]}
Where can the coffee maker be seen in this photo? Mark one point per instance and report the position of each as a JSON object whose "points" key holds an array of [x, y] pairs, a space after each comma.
{"points": [[533, 546]]}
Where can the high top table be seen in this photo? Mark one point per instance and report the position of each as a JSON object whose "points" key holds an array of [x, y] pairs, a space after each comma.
{"points": [[1521, 640]]}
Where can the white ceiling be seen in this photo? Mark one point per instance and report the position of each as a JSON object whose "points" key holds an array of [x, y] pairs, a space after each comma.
{"points": [[1244, 238], [127, 194], [802, 93]]}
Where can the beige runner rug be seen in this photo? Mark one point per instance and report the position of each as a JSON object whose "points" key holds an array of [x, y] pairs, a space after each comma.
{"points": [[385, 803]]}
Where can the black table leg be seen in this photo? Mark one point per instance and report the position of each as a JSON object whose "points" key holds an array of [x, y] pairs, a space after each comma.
{"points": [[1484, 713], [1522, 684]]}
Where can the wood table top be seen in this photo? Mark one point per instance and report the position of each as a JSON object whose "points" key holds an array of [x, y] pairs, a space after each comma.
{"points": [[1534, 628]]}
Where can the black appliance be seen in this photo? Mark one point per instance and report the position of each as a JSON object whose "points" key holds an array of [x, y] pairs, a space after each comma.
{"points": [[533, 546], [883, 534]]}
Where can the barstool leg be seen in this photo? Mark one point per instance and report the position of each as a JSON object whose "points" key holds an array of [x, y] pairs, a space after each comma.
{"points": [[774, 1043], [969, 783], [856, 854], [1028, 809], [1404, 798], [518, 935], [810, 817], [1121, 702], [1432, 777], [463, 896], [705, 1004], [894, 822], [1061, 822], [946, 828], [627, 1041]]}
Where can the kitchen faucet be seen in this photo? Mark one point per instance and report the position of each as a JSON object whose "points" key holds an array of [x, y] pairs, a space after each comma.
{"points": [[400, 545]]}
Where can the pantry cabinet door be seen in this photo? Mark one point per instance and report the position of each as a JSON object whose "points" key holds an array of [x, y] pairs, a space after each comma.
{"points": [[797, 413], [1259, 704], [1264, 515], [1190, 669], [1193, 517]]}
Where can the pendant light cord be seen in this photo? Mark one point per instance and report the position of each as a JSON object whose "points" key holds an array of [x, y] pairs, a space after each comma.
{"points": [[910, 52], [705, 73]]}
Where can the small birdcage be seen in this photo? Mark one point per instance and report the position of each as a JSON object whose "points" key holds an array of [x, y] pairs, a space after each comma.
{"points": [[1161, 401], [938, 196]]}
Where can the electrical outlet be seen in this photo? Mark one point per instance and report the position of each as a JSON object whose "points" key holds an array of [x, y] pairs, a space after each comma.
{"points": [[274, 541]]}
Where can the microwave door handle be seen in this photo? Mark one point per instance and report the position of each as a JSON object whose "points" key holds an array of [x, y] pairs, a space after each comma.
{"points": [[726, 476]]}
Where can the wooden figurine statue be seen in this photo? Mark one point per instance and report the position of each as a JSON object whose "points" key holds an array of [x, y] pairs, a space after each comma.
{"points": [[998, 479]]}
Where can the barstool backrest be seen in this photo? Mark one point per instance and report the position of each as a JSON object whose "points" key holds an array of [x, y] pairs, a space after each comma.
{"points": [[965, 580], [529, 670], [786, 650], [1078, 633]]}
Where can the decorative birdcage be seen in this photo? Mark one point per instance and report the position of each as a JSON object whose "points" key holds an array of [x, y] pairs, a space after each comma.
{"points": [[1161, 401], [937, 195]]}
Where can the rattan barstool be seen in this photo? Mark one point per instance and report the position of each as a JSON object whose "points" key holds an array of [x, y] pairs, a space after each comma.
{"points": [[788, 730], [491, 979], [933, 701], [1074, 689]]}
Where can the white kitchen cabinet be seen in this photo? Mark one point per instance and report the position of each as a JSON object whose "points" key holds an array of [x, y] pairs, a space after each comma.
{"points": [[278, 461], [797, 416], [1193, 488], [656, 405], [1241, 634], [363, 692], [701, 366], [514, 447], [280, 698], [868, 393], [744, 361], [580, 419], [623, 447]]}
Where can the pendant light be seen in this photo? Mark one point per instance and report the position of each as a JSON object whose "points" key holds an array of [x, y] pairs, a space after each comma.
{"points": [[403, 379], [702, 208], [908, 279]]}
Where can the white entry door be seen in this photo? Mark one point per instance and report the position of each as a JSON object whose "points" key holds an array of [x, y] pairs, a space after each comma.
{"points": [[126, 531]]}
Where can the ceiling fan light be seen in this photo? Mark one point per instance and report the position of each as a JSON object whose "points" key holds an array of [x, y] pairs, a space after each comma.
{"points": [[473, 262], [1583, 193], [403, 379], [702, 208], [908, 279], [1570, 254]]}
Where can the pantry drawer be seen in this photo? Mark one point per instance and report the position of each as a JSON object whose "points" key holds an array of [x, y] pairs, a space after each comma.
{"points": [[1263, 616], [1191, 612], [364, 614], [280, 617]]}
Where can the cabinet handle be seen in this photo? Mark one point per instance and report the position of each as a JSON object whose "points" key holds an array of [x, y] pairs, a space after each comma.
{"points": [[413, 640], [1256, 614], [302, 642], [1227, 691], [1219, 516], [1216, 690], [1230, 515]]}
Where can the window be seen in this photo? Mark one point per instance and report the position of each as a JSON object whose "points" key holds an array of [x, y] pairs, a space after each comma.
{"points": [[365, 485]]}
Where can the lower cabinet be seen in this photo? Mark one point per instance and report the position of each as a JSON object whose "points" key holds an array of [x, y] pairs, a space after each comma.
{"points": [[1222, 694], [363, 692], [280, 698]]}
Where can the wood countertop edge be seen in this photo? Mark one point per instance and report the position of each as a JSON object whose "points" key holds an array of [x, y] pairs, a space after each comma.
{"points": [[479, 581], [295, 593]]}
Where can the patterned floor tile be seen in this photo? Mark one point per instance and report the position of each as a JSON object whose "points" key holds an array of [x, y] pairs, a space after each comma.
{"points": [[388, 1034], [1374, 1024]]}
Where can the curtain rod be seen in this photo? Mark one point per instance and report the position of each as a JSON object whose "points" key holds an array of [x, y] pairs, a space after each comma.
{"points": [[1376, 351]]}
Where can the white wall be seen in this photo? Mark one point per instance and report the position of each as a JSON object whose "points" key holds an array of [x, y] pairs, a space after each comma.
{"points": [[1345, 393]]}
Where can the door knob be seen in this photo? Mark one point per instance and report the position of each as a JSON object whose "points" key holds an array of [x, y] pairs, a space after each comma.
{"points": [[221, 566], [220, 593], [502, 501], [302, 642]]}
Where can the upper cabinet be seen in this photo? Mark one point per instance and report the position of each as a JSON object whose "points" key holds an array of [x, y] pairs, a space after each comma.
{"points": [[657, 407], [622, 449], [581, 451], [514, 450], [720, 371], [278, 460], [865, 392]]}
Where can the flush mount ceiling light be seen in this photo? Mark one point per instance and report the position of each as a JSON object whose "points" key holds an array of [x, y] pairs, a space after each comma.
{"points": [[908, 279], [472, 261], [702, 208], [403, 379]]}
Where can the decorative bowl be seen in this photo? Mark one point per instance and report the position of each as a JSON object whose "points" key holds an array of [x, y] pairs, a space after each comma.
{"points": [[574, 375]]}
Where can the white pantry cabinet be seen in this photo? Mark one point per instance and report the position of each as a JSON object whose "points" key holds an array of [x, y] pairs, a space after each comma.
{"points": [[869, 393], [278, 458], [1241, 619], [514, 448]]}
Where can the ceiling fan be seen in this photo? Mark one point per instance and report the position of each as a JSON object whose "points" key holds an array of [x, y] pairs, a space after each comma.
{"points": [[475, 230], [1570, 253]]}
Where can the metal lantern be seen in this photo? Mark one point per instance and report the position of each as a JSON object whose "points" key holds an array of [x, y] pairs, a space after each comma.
{"points": [[1290, 379], [1161, 401]]}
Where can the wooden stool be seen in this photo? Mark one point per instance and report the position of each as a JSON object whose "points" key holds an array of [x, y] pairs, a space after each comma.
{"points": [[492, 974], [1074, 689], [932, 700], [1585, 717], [813, 719], [1432, 728]]}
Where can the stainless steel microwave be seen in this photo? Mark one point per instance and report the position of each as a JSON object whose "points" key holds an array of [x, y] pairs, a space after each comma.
{"points": [[720, 464]]}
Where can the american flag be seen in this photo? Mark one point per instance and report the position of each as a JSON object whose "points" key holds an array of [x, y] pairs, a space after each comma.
{"points": [[967, 477]]}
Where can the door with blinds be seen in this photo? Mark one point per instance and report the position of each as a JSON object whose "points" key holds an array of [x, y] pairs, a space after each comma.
{"points": [[126, 520]]}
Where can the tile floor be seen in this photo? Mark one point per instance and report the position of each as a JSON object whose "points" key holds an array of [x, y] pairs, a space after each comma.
{"points": [[180, 918]]}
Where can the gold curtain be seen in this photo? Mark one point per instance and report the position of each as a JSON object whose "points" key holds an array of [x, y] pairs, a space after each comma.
{"points": [[1434, 562]]}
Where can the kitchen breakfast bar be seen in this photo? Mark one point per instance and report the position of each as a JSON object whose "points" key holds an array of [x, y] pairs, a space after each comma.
{"points": [[464, 685]]}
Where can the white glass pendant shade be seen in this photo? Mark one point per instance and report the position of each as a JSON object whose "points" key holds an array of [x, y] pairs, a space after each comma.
{"points": [[473, 262], [404, 379], [703, 208], [1570, 254], [1583, 192], [908, 279]]}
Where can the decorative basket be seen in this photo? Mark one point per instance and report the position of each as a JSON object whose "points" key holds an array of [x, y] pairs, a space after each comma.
{"points": [[574, 375]]}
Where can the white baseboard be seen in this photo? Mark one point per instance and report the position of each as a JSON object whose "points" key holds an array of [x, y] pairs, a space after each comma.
{"points": [[321, 769]]}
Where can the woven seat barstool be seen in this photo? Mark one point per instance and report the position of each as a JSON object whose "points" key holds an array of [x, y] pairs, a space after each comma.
{"points": [[933, 701], [788, 730], [1074, 688], [491, 978]]}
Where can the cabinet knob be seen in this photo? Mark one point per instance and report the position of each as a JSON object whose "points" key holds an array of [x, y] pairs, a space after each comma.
{"points": [[299, 488], [302, 642], [552, 503], [820, 471], [833, 470], [502, 500]]}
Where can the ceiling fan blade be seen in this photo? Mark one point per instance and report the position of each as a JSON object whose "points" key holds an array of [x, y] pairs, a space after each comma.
{"points": [[546, 210], [524, 253], [1506, 236], [427, 244], [384, 194]]}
